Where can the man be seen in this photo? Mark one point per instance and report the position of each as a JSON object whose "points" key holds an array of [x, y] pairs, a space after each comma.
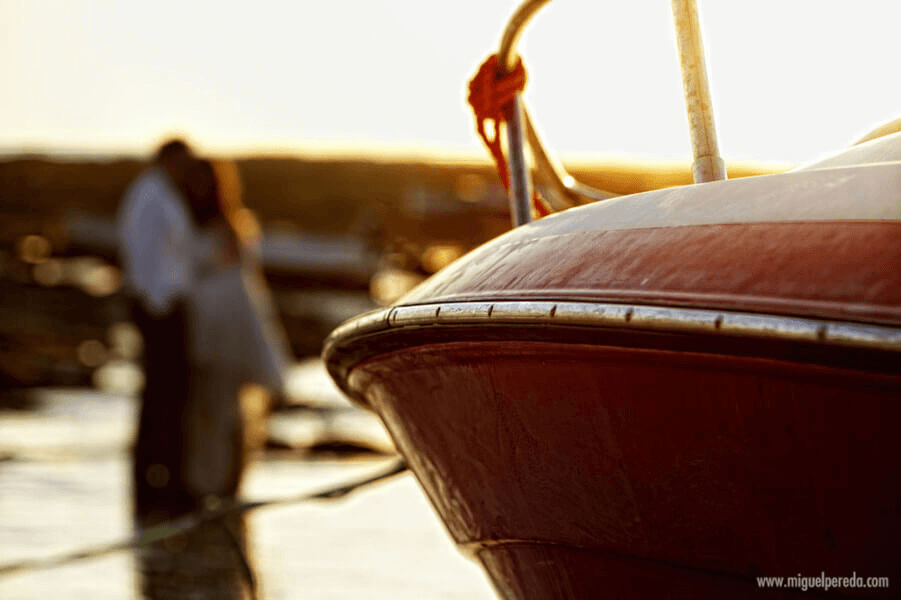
{"points": [[156, 240]]}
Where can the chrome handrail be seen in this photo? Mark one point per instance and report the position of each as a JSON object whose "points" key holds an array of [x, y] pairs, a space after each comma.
{"points": [[517, 169], [707, 165], [559, 189]]}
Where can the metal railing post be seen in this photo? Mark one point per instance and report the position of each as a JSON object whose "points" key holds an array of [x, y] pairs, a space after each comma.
{"points": [[707, 165], [517, 168]]}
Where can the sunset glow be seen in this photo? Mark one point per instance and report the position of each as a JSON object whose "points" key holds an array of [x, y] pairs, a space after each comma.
{"points": [[791, 79]]}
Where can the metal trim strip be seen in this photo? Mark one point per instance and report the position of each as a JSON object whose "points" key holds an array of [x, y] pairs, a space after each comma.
{"points": [[639, 317]]}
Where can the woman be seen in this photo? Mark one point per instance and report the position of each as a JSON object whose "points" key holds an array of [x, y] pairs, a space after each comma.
{"points": [[234, 339]]}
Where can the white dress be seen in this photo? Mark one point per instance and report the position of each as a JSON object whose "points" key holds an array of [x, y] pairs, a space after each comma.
{"points": [[235, 340], [235, 326]]}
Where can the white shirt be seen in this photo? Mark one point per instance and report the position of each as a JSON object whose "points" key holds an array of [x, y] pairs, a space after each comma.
{"points": [[156, 241]]}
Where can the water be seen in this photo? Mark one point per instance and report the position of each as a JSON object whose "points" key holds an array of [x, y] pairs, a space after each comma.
{"points": [[64, 485]]}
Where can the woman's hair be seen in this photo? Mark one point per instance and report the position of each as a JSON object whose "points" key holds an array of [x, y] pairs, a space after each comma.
{"points": [[213, 191], [239, 217], [203, 193]]}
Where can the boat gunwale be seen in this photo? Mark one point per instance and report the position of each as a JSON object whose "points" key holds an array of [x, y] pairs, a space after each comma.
{"points": [[795, 339], [615, 314]]}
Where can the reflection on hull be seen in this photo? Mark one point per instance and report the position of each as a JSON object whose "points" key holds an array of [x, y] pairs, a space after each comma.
{"points": [[737, 465]]}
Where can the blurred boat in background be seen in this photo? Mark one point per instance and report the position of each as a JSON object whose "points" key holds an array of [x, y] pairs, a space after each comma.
{"points": [[341, 261], [342, 236], [63, 306]]}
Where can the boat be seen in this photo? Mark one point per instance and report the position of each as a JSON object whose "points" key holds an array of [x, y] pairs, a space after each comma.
{"points": [[689, 392], [294, 257]]}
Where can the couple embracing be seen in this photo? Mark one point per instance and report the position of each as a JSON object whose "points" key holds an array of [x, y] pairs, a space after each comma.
{"points": [[189, 254]]}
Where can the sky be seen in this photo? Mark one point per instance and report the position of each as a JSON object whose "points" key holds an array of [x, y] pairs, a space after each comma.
{"points": [[791, 79]]}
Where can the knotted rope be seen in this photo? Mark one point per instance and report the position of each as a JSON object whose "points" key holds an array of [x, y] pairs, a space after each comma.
{"points": [[491, 95]]}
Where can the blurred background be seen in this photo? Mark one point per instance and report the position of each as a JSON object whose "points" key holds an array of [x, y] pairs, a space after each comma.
{"points": [[357, 153]]}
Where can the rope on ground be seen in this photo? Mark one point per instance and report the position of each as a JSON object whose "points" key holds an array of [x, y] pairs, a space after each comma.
{"points": [[169, 529]]}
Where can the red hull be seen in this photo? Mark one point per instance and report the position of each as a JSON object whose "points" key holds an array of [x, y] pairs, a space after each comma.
{"points": [[741, 466], [664, 395]]}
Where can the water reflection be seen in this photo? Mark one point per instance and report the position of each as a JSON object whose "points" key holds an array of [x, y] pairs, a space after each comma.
{"points": [[65, 487], [209, 561]]}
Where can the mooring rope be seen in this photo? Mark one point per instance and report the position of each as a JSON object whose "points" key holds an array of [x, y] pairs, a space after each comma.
{"points": [[491, 93], [145, 536]]}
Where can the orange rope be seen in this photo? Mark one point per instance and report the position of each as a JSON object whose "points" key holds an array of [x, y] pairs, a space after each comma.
{"points": [[491, 94]]}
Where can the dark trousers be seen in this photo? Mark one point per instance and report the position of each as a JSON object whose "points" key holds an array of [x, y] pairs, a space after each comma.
{"points": [[159, 489]]}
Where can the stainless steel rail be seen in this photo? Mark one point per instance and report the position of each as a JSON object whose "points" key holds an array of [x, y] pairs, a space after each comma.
{"points": [[517, 169], [707, 165], [559, 189]]}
